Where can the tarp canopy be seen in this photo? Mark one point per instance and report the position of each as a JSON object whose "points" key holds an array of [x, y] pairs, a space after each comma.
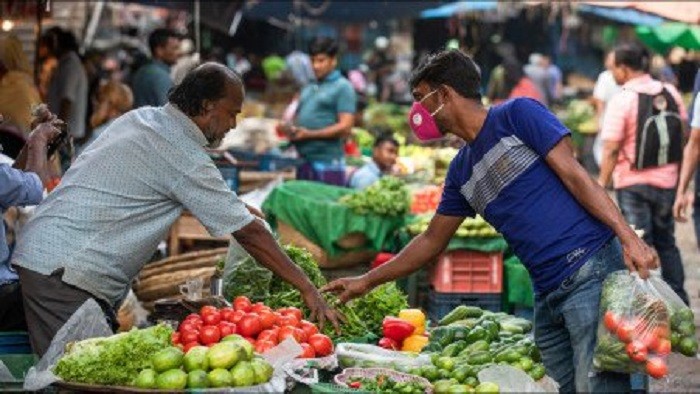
{"points": [[681, 11], [459, 7], [668, 35], [622, 15], [336, 11]]}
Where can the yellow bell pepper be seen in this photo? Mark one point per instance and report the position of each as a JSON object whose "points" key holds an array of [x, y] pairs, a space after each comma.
{"points": [[416, 317], [414, 343]]}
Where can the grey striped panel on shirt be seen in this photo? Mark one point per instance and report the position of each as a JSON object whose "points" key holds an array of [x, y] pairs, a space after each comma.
{"points": [[507, 160]]}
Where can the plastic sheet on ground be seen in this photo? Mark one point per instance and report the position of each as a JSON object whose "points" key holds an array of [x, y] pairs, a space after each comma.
{"points": [[513, 380]]}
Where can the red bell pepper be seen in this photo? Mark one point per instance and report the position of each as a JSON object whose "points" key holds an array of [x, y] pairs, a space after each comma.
{"points": [[388, 343], [396, 329]]}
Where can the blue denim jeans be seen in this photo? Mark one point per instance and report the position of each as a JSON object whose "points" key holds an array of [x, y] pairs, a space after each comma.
{"points": [[650, 209], [566, 322]]}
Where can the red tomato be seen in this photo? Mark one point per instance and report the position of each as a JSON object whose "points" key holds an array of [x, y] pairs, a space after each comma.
{"points": [[263, 346], [308, 351], [267, 319], [302, 335], [189, 346], [663, 347], [209, 335], [187, 326], [212, 319], [175, 338], [189, 336], [308, 327], [268, 335], [661, 331], [288, 331], [637, 351], [292, 311], [242, 303], [250, 340], [249, 326], [650, 340], [237, 316], [207, 309], [259, 307], [227, 328], [226, 313], [612, 321], [323, 346], [193, 316], [656, 368], [287, 320], [625, 331]]}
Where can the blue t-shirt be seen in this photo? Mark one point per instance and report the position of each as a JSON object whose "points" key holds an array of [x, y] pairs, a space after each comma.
{"points": [[503, 176]]}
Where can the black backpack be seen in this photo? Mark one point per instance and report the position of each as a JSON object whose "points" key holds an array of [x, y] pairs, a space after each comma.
{"points": [[659, 131]]}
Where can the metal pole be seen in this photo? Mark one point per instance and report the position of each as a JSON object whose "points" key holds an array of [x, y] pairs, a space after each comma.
{"points": [[197, 31]]}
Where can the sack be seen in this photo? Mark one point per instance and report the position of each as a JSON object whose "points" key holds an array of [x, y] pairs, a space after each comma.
{"points": [[659, 131], [640, 323]]}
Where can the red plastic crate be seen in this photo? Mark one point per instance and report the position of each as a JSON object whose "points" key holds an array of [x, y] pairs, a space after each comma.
{"points": [[466, 271]]}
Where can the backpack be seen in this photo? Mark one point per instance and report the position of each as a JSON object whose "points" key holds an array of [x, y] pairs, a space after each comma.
{"points": [[659, 131]]}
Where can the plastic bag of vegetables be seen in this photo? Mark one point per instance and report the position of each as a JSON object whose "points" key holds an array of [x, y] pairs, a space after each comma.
{"points": [[641, 322]]}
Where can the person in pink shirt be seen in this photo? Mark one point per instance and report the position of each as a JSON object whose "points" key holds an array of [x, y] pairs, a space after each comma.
{"points": [[645, 173]]}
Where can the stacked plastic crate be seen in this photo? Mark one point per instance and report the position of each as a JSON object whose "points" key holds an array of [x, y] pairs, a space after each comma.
{"points": [[465, 277]]}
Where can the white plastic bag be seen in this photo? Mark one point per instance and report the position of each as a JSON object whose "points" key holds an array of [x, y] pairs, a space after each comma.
{"points": [[365, 355], [87, 322]]}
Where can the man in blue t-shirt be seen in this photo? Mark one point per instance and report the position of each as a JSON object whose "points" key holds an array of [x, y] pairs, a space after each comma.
{"points": [[324, 117], [518, 171]]}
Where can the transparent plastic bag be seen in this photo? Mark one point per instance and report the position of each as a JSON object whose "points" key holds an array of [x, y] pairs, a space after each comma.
{"points": [[640, 323], [87, 322], [514, 380], [365, 355]]}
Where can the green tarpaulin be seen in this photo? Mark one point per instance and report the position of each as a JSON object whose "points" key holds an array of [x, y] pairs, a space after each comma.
{"points": [[312, 209], [668, 35], [517, 284], [486, 245]]}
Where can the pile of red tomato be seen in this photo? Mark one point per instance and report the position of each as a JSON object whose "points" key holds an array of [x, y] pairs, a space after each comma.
{"points": [[257, 323], [646, 345]]}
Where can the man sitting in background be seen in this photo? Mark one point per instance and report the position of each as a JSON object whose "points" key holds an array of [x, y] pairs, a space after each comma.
{"points": [[384, 155]]}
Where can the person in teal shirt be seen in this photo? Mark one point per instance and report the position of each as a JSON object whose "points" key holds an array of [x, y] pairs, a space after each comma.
{"points": [[324, 117], [152, 81]]}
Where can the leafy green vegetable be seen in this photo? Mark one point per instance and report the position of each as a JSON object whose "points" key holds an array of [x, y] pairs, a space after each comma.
{"points": [[115, 360], [364, 315], [387, 197]]}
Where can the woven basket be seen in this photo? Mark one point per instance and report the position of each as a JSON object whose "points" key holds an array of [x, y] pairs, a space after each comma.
{"points": [[371, 373], [162, 279], [290, 235]]}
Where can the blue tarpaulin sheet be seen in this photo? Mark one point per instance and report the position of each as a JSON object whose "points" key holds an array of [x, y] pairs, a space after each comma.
{"points": [[459, 7]]}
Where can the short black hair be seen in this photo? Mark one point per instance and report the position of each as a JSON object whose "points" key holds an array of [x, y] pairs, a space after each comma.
{"points": [[385, 138], [452, 68], [206, 82], [323, 46], [59, 40], [159, 38], [633, 56]]}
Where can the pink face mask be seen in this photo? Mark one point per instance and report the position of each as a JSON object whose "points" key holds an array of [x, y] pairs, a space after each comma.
{"points": [[422, 122]]}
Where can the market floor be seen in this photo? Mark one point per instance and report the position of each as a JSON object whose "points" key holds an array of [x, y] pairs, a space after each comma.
{"points": [[683, 371]]}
